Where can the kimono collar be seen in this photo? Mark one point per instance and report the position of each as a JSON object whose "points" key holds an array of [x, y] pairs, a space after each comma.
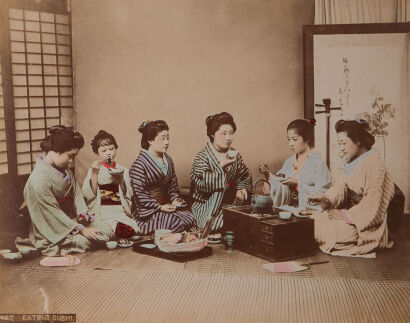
{"points": [[350, 167], [66, 176], [163, 167], [112, 165]]}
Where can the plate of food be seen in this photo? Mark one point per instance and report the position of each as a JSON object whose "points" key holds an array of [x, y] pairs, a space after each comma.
{"points": [[124, 243], [182, 242]]}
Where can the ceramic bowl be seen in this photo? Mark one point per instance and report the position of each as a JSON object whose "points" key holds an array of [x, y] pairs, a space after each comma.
{"points": [[182, 247], [232, 153], [111, 244], [284, 215], [13, 255], [115, 171]]}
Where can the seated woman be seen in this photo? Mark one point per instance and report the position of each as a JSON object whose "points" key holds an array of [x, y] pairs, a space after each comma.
{"points": [[354, 223], [156, 195], [107, 189], [60, 221], [304, 173], [219, 175]]}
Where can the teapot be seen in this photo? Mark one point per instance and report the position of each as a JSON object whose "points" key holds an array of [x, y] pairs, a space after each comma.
{"points": [[262, 201]]}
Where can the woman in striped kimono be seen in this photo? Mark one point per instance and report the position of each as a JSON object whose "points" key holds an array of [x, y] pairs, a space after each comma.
{"points": [[60, 221], [354, 222], [219, 175], [157, 199]]}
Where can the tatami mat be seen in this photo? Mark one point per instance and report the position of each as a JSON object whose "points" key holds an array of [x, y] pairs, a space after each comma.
{"points": [[124, 296]]}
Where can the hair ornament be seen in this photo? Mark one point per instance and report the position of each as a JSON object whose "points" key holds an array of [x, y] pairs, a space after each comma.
{"points": [[313, 121]]}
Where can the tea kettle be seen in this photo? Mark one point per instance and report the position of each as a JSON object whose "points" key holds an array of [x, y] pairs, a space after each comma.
{"points": [[262, 201]]}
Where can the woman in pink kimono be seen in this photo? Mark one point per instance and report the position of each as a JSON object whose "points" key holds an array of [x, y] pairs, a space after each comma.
{"points": [[354, 221]]}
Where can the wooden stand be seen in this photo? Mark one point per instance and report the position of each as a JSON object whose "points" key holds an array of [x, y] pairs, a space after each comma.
{"points": [[269, 237]]}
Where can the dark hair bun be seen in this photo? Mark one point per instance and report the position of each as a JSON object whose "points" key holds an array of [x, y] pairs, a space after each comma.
{"points": [[56, 129], [62, 139], [143, 126], [357, 130]]}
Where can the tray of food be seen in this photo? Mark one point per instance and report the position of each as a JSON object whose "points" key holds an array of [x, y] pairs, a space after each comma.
{"points": [[148, 247]]}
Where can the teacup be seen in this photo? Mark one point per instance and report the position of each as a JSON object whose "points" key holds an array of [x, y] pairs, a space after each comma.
{"points": [[111, 244], [284, 215], [232, 153], [13, 255], [161, 233]]}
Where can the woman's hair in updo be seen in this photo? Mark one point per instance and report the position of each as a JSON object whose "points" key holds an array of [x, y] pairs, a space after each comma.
{"points": [[103, 138], [150, 129], [305, 129], [213, 123], [357, 131], [62, 139]]}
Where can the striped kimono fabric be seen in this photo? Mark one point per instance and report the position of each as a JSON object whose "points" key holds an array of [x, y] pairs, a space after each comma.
{"points": [[210, 184], [369, 190], [146, 176]]}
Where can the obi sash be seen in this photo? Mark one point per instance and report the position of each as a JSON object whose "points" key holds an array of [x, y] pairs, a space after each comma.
{"points": [[159, 193], [66, 204], [110, 194]]}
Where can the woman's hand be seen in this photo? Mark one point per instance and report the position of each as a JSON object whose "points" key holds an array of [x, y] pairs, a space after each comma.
{"points": [[263, 169], [320, 199], [90, 233], [335, 214], [241, 196], [226, 161], [95, 166], [178, 202], [168, 208]]}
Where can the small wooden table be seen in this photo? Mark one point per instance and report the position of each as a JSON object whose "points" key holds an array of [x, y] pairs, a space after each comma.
{"points": [[269, 237]]}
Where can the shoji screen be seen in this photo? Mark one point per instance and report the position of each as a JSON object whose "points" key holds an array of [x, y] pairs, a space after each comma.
{"points": [[40, 44]]}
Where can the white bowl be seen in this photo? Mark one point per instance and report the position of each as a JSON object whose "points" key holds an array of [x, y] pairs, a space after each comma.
{"points": [[232, 153], [111, 244], [12, 255], [182, 247], [284, 215]]}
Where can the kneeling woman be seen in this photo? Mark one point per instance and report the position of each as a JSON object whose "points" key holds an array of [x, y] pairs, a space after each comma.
{"points": [[304, 173], [219, 175], [355, 222], [154, 182], [59, 215]]}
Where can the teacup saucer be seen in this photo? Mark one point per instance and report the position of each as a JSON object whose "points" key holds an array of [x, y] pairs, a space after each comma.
{"points": [[125, 245]]}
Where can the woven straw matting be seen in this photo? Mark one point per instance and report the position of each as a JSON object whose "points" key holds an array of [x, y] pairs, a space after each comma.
{"points": [[123, 296]]}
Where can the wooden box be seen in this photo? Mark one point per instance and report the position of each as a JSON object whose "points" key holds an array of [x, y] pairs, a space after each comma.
{"points": [[269, 237]]}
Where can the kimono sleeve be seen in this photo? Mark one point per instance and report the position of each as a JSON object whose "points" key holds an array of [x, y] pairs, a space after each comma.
{"points": [[322, 179], [147, 205], [336, 194], [88, 193], [173, 189], [205, 179], [244, 176], [370, 212], [46, 214], [127, 180]]}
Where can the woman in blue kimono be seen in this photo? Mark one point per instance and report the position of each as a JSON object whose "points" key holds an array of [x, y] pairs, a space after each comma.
{"points": [[219, 175], [157, 200], [302, 174]]}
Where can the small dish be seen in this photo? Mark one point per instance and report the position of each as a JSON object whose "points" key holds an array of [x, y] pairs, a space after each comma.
{"points": [[216, 241], [126, 244], [12, 255], [232, 153], [136, 238], [148, 245], [111, 244], [115, 171], [284, 215]]}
